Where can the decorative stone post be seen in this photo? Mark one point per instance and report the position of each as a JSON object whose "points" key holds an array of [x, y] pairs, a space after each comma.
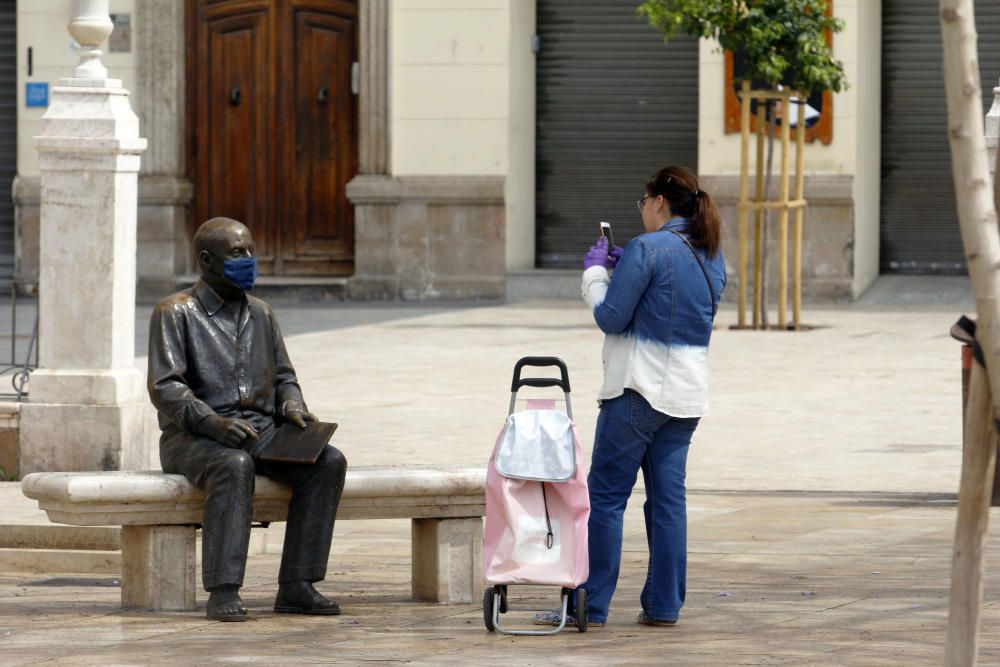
{"points": [[88, 409], [993, 130]]}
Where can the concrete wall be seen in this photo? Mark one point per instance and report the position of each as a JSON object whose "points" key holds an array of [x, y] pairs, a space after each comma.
{"points": [[435, 226], [427, 237], [867, 85], [449, 87], [520, 190], [462, 106]]}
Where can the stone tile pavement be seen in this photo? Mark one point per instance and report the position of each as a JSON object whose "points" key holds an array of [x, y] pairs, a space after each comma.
{"points": [[774, 579], [821, 503]]}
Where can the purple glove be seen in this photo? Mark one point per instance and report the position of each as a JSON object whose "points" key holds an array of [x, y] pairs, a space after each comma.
{"points": [[598, 255], [615, 255]]}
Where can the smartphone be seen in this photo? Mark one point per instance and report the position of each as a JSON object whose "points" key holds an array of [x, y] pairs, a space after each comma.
{"points": [[606, 233]]}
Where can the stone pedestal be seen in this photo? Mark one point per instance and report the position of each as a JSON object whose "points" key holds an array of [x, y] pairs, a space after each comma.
{"points": [[447, 559], [828, 270], [992, 130], [423, 238], [158, 567], [88, 408]]}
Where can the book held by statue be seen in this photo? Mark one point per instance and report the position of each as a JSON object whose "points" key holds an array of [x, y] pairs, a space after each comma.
{"points": [[292, 444]]}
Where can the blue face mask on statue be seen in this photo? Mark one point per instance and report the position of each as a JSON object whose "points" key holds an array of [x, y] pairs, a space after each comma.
{"points": [[241, 272]]}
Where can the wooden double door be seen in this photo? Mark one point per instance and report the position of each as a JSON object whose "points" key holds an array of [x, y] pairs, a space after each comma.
{"points": [[272, 103]]}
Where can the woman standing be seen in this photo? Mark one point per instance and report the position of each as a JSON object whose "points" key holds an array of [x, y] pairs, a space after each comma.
{"points": [[656, 310]]}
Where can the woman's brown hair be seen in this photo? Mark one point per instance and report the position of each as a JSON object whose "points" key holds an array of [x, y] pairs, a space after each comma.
{"points": [[679, 186]]}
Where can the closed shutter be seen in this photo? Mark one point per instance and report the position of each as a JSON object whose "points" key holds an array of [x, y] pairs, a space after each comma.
{"points": [[614, 105], [8, 133], [920, 232]]}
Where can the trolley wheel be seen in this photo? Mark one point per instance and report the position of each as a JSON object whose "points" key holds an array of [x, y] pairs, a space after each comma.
{"points": [[488, 609], [580, 602], [503, 598]]}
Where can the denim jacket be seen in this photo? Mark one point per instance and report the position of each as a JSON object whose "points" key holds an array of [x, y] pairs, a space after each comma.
{"points": [[656, 312]]}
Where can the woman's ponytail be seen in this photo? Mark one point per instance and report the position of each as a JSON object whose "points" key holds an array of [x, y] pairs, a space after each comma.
{"points": [[679, 186], [706, 226]]}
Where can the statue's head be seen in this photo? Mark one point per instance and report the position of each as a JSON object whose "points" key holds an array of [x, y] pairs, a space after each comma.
{"points": [[226, 256]]}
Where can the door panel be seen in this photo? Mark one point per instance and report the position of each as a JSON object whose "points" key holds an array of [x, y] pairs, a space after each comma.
{"points": [[233, 119], [274, 121], [323, 140]]}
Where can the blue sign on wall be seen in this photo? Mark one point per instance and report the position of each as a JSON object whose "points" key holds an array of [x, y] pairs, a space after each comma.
{"points": [[36, 94]]}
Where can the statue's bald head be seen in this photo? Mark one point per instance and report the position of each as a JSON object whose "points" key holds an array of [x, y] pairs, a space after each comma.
{"points": [[218, 234]]}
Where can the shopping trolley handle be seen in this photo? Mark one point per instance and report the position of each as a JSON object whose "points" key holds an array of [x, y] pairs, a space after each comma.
{"points": [[519, 382]]}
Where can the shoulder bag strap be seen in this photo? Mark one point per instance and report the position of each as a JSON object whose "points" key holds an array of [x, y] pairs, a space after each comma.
{"points": [[708, 280]]}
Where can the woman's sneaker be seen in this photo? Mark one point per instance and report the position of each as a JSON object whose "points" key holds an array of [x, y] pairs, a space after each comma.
{"points": [[658, 622], [553, 618]]}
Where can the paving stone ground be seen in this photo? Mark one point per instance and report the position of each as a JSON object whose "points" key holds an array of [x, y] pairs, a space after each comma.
{"points": [[821, 503]]}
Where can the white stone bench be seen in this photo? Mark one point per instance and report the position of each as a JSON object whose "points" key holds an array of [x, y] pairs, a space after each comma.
{"points": [[159, 513]]}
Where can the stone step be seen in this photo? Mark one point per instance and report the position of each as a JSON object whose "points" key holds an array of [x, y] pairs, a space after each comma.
{"points": [[50, 536], [557, 284], [76, 549], [76, 561]]}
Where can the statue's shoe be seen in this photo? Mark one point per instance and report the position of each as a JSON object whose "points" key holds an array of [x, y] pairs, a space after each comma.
{"points": [[226, 607], [304, 600]]}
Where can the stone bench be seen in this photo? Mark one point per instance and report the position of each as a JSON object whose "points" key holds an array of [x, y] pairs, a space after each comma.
{"points": [[159, 514]]}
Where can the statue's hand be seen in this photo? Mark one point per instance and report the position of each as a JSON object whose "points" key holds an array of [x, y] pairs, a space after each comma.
{"points": [[229, 432], [299, 418]]}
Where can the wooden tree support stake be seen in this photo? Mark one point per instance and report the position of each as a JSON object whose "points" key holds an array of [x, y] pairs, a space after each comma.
{"points": [[741, 213], [800, 195], [783, 204]]}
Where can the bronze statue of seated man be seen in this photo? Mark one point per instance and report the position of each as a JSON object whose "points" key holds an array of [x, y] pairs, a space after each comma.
{"points": [[222, 382]]}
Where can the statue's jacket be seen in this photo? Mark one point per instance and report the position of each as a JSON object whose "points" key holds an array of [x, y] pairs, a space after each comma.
{"points": [[204, 360]]}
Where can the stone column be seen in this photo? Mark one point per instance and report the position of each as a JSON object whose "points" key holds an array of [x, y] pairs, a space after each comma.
{"points": [[164, 189], [373, 99], [993, 130], [88, 408]]}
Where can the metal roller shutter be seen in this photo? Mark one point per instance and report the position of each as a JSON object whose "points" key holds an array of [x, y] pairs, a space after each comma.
{"points": [[8, 133], [614, 104], [920, 231]]}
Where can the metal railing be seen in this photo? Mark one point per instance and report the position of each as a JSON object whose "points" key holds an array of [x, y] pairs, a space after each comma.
{"points": [[20, 370]]}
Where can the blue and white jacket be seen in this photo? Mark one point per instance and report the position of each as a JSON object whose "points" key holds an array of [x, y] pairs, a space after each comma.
{"points": [[656, 312]]}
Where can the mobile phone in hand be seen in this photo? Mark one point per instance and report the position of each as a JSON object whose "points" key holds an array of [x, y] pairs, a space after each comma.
{"points": [[606, 233]]}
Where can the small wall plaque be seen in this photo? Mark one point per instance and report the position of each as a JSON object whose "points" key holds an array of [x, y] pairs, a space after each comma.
{"points": [[120, 40], [36, 94]]}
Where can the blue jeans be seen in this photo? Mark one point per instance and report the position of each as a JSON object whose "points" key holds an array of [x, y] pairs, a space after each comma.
{"points": [[631, 436]]}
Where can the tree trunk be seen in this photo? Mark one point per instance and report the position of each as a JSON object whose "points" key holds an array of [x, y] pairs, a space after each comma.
{"points": [[981, 239]]}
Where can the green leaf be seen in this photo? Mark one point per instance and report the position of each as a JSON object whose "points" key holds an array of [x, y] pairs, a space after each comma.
{"points": [[782, 40]]}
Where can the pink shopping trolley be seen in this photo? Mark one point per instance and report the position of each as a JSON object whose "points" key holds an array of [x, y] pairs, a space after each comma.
{"points": [[537, 503]]}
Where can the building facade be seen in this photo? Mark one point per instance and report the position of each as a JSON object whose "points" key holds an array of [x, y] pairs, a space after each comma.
{"points": [[425, 149]]}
